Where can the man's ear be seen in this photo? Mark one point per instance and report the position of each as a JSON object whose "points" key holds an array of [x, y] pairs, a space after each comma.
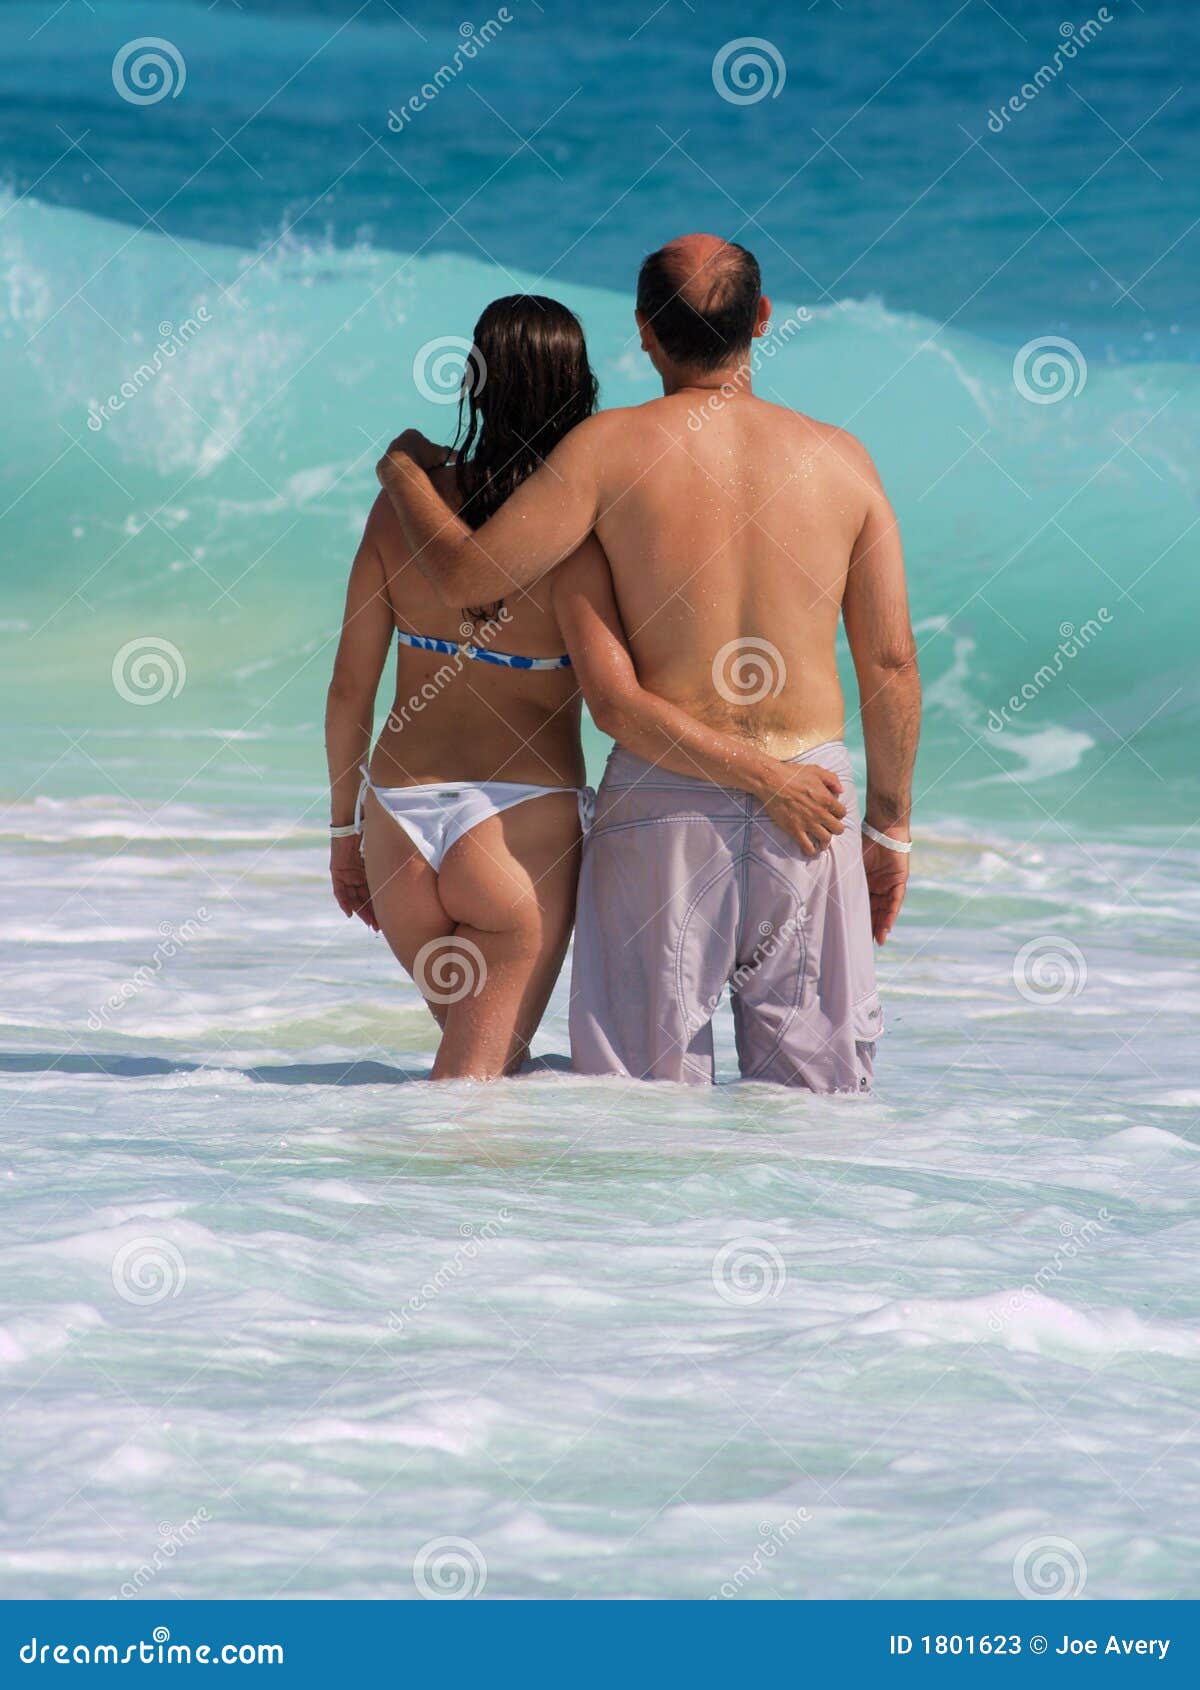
{"points": [[649, 344], [764, 315]]}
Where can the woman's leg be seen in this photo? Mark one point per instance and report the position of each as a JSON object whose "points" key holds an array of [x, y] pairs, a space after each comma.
{"points": [[509, 887], [404, 893]]}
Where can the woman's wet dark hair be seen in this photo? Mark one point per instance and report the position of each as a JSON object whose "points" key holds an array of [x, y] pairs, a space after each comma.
{"points": [[526, 384]]}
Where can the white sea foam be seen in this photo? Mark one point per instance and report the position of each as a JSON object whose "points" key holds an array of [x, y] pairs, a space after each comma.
{"points": [[248, 1265]]}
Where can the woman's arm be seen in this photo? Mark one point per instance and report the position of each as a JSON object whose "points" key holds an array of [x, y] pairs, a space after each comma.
{"points": [[350, 709], [801, 798]]}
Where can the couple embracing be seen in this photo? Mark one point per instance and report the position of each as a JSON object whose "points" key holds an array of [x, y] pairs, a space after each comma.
{"points": [[680, 566]]}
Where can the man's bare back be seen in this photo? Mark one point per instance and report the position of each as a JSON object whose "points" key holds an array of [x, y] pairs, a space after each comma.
{"points": [[729, 533]]}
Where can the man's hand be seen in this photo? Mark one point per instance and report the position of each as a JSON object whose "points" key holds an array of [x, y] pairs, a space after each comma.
{"points": [[887, 880], [803, 800], [426, 454], [349, 879]]}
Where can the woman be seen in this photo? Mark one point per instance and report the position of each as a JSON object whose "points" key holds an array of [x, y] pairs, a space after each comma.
{"points": [[472, 811], [470, 814]]}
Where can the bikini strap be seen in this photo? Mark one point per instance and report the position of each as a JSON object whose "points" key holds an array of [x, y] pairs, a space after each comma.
{"points": [[480, 654], [358, 804]]}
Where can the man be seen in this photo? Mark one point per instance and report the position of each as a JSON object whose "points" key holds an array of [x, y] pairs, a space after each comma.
{"points": [[736, 531]]}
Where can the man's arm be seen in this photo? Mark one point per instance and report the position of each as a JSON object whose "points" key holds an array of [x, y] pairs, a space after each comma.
{"points": [[875, 611], [800, 798], [540, 524]]}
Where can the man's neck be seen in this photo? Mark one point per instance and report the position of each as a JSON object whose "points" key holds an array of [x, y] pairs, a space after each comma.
{"points": [[732, 380]]}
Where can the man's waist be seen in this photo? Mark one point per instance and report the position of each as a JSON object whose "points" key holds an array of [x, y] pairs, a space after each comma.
{"points": [[625, 769]]}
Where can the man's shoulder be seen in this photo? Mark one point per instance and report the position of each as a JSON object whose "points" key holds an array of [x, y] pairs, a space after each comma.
{"points": [[618, 419], [604, 435], [828, 435], [845, 449]]}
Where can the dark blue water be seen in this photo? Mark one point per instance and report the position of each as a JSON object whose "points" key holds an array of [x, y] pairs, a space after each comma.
{"points": [[580, 136], [886, 181]]}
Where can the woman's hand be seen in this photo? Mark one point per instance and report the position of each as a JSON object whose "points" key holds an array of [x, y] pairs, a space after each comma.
{"points": [[349, 878], [804, 801]]}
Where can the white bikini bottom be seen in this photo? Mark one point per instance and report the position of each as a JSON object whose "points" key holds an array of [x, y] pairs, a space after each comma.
{"points": [[437, 816]]}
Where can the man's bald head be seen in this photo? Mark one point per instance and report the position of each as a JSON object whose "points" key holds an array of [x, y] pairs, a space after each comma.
{"points": [[700, 296]]}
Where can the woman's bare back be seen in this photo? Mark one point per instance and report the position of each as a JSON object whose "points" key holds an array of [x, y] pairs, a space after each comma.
{"points": [[457, 718]]}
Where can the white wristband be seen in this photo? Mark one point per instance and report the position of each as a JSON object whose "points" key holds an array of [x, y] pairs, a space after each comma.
{"points": [[343, 832], [904, 846]]}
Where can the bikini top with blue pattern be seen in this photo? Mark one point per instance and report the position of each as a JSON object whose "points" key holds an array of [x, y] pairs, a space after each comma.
{"points": [[506, 659]]}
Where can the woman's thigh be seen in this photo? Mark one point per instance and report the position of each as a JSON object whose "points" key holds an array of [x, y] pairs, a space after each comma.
{"points": [[404, 890], [509, 887]]}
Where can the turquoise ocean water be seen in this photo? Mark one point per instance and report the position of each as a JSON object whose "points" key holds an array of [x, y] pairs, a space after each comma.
{"points": [[265, 1300]]}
